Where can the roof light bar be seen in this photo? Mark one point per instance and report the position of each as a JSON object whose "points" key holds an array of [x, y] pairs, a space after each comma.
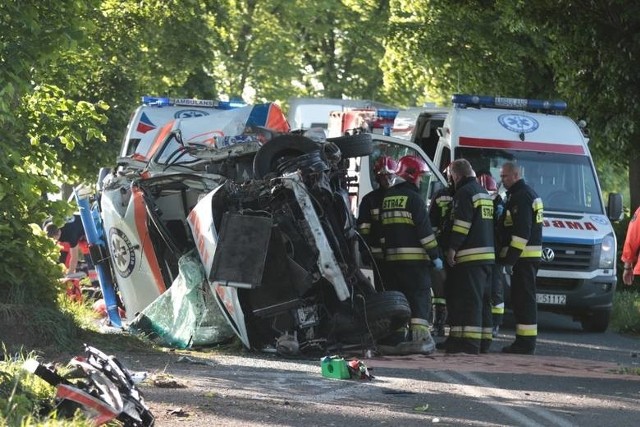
{"points": [[165, 102], [387, 114], [514, 103]]}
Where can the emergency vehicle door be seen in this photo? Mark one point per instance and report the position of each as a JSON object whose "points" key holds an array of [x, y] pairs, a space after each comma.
{"points": [[397, 148]]}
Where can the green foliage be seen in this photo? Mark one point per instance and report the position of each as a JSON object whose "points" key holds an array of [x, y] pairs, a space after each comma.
{"points": [[20, 392], [625, 317], [439, 47]]}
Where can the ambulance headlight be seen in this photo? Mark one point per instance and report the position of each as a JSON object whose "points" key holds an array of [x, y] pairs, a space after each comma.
{"points": [[607, 252]]}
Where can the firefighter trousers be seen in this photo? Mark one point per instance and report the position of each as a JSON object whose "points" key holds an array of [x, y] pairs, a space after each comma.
{"points": [[497, 294], [523, 300], [414, 281], [469, 302]]}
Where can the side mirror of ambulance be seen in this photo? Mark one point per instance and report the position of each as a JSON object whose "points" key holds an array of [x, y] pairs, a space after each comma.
{"points": [[614, 207]]}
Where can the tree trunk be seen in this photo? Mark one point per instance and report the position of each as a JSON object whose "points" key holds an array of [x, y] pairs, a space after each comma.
{"points": [[634, 181], [65, 191]]}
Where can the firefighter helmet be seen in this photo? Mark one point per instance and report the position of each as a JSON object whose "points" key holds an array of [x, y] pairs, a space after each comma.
{"points": [[411, 168], [487, 182], [385, 165]]}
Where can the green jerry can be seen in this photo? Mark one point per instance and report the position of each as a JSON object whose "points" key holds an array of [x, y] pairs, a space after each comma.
{"points": [[335, 367]]}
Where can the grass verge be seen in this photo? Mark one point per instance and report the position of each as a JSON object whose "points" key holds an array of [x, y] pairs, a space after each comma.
{"points": [[625, 317]]}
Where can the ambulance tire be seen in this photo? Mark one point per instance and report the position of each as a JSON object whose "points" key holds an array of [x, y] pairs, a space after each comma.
{"points": [[354, 145], [282, 146], [383, 313], [597, 321]]}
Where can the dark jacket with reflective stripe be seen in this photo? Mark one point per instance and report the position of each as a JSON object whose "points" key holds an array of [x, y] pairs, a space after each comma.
{"points": [[406, 230], [440, 215], [369, 221], [520, 227], [472, 231]]}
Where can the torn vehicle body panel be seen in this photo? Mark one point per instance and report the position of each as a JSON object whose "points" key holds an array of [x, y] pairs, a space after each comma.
{"points": [[326, 261], [133, 258]]}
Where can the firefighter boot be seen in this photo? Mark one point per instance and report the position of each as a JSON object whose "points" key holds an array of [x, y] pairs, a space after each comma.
{"points": [[522, 345], [439, 320], [420, 342], [497, 321], [389, 345]]}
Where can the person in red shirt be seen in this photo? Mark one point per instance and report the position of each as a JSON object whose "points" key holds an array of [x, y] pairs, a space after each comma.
{"points": [[68, 237], [631, 249]]}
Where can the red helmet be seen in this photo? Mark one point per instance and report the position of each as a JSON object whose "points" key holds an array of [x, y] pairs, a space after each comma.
{"points": [[411, 168], [385, 165], [487, 182]]}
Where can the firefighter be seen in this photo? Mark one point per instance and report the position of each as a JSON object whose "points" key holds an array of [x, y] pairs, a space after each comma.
{"points": [[520, 234], [410, 250], [439, 214], [498, 279], [368, 221], [471, 255]]}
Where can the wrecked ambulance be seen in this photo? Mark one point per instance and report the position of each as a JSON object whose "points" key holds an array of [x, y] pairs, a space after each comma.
{"points": [[251, 220]]}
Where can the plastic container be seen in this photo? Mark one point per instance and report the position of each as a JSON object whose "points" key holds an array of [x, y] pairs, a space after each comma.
{"points": [[335, 367]]}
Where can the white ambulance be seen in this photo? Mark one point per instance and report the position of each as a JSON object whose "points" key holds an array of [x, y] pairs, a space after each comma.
{"points": [[577, 275], [154, 112]]}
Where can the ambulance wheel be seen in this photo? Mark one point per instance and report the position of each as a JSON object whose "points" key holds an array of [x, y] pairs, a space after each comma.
{"points": [[382, 313], [354, 145], [598, 321], [279, 149]]}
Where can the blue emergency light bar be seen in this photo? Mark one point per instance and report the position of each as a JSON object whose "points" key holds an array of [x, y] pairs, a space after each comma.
{"points": [[165, 102], [513, 103], [387, 114]]}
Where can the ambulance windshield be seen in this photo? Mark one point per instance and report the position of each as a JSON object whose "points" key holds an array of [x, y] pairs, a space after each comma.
{"points": [[565, 182]]}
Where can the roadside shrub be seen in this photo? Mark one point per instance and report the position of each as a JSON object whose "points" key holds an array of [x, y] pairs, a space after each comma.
{"points": [[625, 317]]}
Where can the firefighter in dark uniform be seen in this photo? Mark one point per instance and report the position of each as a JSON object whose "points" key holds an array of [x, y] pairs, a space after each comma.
{"points": [[439, 215], [471, 255], [410, 249], [498, 279], [520, 231], [368, 220]]}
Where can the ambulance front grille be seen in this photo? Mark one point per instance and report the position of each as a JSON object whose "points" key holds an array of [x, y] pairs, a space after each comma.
{"points": [[567, 257]]}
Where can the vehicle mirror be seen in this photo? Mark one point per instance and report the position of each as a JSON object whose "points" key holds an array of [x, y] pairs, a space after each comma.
{"points": [[614, 207]]}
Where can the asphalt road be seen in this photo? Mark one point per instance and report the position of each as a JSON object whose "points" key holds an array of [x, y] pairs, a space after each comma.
{"points": [[575, 379]]}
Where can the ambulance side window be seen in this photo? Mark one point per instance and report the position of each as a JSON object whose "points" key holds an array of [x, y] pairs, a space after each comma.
{"points": [[132, 146], [396, 151]]}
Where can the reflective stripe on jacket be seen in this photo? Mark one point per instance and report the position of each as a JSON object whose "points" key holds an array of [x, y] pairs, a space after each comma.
{"points": [[368, 221], [440, 215], [406, 230], [520, 228], [472, 233]]}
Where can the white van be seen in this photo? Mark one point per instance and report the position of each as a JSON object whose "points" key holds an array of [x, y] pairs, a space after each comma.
{"points": [[307, 113], [578, 271]]}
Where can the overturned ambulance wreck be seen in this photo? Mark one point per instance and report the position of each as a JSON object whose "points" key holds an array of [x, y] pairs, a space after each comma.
{"points": [[221, 225]]}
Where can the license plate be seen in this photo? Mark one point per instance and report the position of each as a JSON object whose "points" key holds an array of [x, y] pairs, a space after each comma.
{"points": [[555, 299]]}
